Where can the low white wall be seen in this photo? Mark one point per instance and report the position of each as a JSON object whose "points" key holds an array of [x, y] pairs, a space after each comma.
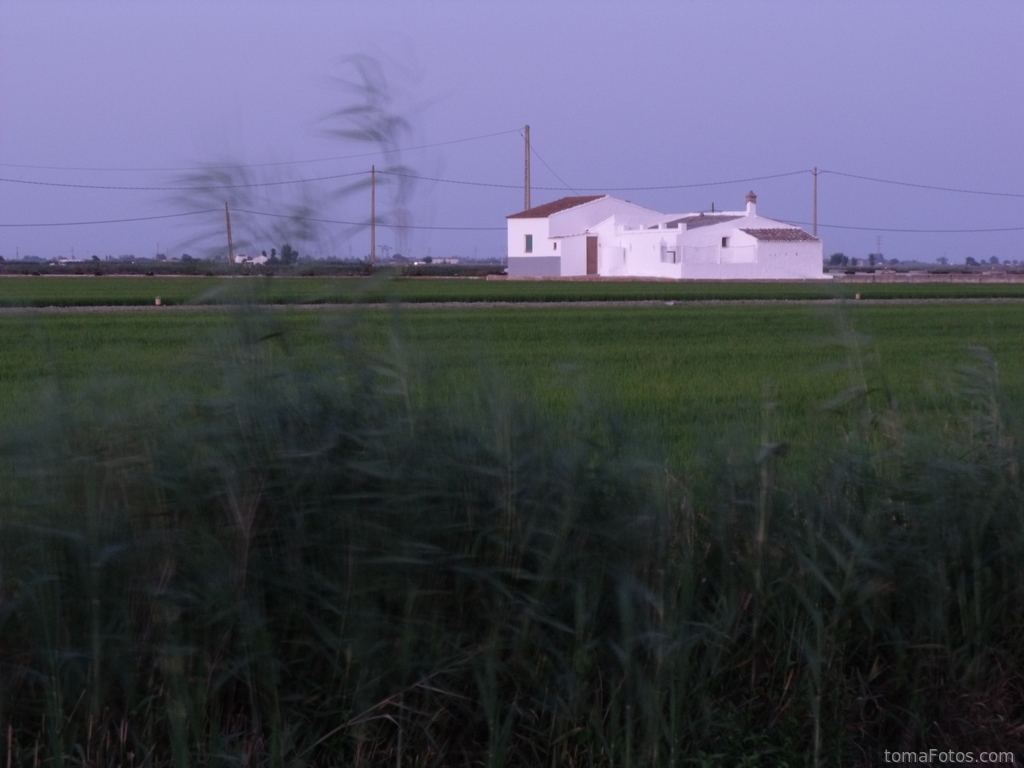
{"points": [[644, 250], [777, 270], [611, 261], [801, 259], [744, 254], [699, 254], [574, 255]]}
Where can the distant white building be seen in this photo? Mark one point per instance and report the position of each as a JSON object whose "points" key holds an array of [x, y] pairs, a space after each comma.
{"points": [[606, 237]]}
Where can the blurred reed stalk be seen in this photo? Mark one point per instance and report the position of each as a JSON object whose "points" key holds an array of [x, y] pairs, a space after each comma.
{"points": [[345, 568]]}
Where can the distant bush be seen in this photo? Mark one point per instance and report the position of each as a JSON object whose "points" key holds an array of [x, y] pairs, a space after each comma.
{"points": [[341, 568]]}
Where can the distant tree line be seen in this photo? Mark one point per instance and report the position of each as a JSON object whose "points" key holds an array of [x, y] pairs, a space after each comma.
{"points": [[840, 259]]}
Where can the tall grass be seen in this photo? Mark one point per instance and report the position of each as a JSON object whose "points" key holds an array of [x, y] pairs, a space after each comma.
{"points": [[344, 567]]}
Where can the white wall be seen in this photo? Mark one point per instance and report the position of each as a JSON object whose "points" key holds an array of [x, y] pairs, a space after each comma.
{"points": [[774, 261], [793, 260], [543, 261], [745, 257], [777, 270], [741, 254], [611, 260], [644, 249], [517, 231], [574, 255]]}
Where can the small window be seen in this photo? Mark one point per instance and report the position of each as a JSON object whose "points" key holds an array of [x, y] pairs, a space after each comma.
{"points": [[554, 246], [725, 242], [529, 243]]}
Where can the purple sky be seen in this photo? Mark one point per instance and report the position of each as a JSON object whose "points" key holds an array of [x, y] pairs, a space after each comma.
{"points": [[617, 94]]}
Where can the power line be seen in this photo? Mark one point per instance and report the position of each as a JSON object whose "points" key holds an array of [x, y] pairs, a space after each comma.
{"points": [[861, 177], [915, 231], [250, 185], [243, 210], [182, 189], [266, 165], [595, 189], [492, 185], [457, 181], [924, 186], [113, 221], [497, 186], [476, 229], [363, 223], [534, 151]]}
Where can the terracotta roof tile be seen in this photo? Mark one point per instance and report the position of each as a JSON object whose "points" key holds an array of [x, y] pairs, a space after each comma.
{"points": [[564, 204], [787, 235]]}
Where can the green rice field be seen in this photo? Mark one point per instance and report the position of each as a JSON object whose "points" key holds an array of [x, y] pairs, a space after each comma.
{"points": [[125, 291], [687, 373], [676, 534]]}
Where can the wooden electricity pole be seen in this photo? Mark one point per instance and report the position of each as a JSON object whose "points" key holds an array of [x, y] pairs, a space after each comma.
{"points": [[373, 214], [526, 181], [231, 247], [815, 232]]}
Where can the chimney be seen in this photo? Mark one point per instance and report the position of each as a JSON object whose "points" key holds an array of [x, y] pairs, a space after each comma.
{"points": [[751, 203]]}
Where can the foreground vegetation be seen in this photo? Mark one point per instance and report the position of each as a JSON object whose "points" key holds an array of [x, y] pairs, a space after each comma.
{"points": [[384, 287], [327, 557]]}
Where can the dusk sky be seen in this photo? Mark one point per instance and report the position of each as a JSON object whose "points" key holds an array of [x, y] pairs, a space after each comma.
{"points": [[620, 97]]}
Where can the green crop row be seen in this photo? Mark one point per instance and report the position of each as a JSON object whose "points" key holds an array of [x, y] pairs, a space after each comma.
{"points": [[681, 369], [142, 291]]}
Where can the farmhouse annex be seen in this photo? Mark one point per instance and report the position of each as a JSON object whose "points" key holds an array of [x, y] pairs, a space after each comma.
{"points": [[606, 237]]}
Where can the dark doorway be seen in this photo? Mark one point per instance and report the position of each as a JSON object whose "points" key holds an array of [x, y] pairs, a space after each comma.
{"points": [[591, 255]]}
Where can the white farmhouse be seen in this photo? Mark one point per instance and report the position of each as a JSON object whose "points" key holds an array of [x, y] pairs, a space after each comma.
{"points": [[602, 236]]}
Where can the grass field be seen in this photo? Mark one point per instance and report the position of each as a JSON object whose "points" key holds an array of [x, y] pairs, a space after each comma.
{"points": [[141, 291], [688, 373], [689, 535]]}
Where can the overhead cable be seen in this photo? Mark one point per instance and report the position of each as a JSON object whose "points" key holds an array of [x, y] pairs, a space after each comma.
{"points": [[922, 186], [363, 223], [184, 189], [464, 182], [265, 165], [534, 152], [114, 221], [914, 231], [474, 229], [593, 189], [387, 173]]}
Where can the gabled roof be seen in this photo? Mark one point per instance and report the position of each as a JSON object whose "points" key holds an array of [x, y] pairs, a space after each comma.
{"points": [[788, 235], [564, 204]]}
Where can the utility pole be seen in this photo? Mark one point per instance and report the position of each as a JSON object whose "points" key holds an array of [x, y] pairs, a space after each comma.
{"points": [[815, 232], [231, 246], [373, 214], [526, 180]]}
